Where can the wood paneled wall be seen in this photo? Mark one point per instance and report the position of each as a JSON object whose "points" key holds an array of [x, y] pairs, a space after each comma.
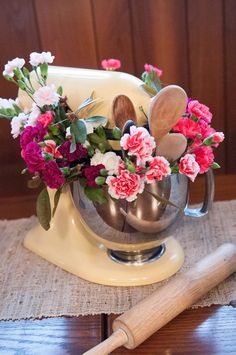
{"points": [[193, 41]]}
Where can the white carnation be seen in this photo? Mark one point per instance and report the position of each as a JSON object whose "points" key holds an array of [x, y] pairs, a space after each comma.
{"points": [[17, 123], [97, 158], [110, 160], [34, 114], [40, 58], [12, 65], [46, 95], [5, 103]]}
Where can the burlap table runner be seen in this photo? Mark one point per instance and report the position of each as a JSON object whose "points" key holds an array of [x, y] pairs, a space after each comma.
{"points": [[30, 287]]}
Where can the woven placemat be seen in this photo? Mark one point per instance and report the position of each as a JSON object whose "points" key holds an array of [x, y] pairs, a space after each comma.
{"points": [[30, 287]]}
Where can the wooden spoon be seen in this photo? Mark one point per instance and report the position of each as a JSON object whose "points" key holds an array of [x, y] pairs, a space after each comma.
{"points": [[165, 110], [172, 146], [122, 111]]}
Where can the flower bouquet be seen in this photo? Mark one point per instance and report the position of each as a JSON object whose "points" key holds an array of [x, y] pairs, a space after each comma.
{"points": [[60, 145]]}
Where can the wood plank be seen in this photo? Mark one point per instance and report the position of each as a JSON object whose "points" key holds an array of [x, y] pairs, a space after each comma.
{"points": [[18, 38], [208, 331], [50, 336], [230, 75], [113, 31], [160, 38], [205, 43], [66, 29]]}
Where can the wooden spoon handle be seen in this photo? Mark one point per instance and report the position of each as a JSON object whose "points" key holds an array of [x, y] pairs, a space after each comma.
{"points": [[166, 109], [123, 110]]}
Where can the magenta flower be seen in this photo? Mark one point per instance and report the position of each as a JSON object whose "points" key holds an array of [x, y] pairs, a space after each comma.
{"points": [[52, 175], [91, 173], [111, 64], [33, 157], [149, 67], [31, 134], [78, 154]]}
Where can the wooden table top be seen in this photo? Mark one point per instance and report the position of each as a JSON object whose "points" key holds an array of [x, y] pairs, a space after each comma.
{"points": [[205, 331]]}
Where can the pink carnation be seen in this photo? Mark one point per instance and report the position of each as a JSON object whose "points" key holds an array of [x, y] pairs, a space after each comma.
{"points": [[33, 157], [148, 67], [159, 167], [111, 64], [52, 175], [187, 127], [205, 129], [91, 173], [199, 110], [189, 167], [51, 148], [46, 119], [218, 137], [139, 143], [125, 186], [204, 158]]}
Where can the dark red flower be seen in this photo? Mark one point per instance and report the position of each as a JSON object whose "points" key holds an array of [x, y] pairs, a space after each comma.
{"points": [[52, 175], [78, 154], [91, 172]]}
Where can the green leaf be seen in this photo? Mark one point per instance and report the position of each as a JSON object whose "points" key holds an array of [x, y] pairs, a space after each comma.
{"points": [[83, 182], [21, 85], [26, 72], [72, 147], [56, 200], [78, 129], [17, 109], [163, 199], [116, 133], [24, 171], [43, 209], [100, 132], [95, 194], [34, 183], [98, 120], [94, 138], [89, 101], [60, 90], [44, 70], [149, 90], [215, 165]]}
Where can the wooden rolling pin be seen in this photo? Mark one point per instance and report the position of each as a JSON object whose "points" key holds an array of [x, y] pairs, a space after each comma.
{"points": [[145, 318]]}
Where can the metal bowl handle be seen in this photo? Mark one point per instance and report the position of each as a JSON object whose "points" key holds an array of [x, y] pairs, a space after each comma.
{"points": [[208, 197]]}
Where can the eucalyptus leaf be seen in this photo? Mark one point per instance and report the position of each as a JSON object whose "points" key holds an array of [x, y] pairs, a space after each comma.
{"points": [[78, 129], [56, 200], [72, 147], [95, 194], [98, 120], [149, 90], [43, 209], [60, 90], [163, 199]]}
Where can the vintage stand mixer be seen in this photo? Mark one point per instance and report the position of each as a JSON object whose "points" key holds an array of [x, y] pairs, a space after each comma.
{"points": [[120, 244]]}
